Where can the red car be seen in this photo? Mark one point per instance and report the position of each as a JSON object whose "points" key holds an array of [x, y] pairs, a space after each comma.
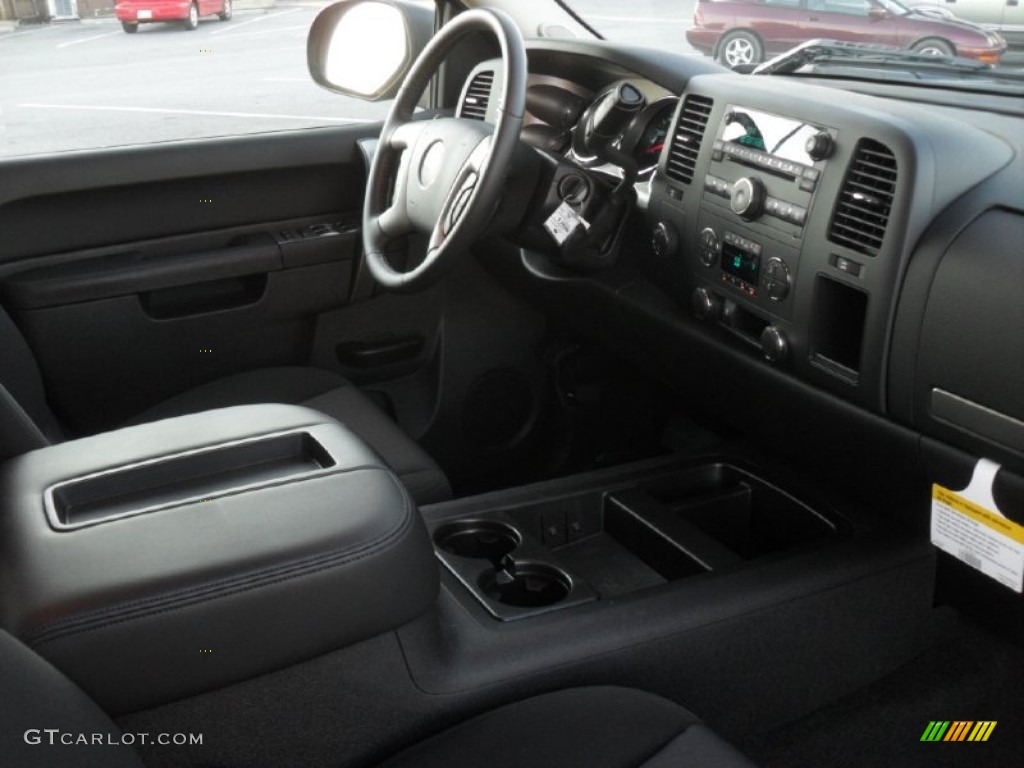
{"points": [[131, 13], [738, 32]]}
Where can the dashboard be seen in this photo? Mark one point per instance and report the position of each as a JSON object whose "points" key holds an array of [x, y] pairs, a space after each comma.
{"points": [[861, 240]]}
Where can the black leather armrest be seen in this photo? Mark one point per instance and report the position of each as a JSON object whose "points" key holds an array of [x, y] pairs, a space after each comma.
{"points": [[218, 583]]}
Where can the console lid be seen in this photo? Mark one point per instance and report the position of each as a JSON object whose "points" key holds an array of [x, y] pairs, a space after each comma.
{"points": [[160, 560]]}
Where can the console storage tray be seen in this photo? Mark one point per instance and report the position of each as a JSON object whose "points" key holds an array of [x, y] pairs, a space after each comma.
{"points": [[194, 475], [626, 536]]}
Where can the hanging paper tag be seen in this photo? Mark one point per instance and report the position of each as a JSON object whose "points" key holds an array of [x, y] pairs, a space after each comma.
{"points": [[563, 222], [968, 525]]}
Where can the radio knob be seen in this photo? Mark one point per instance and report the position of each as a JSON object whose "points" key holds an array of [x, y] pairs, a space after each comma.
{"points": [[819, 146], [664, 240], [774, 345], [747, 198], [706, 306]]}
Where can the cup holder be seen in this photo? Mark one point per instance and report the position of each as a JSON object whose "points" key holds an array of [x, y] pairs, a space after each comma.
{"points": [[483, 539], [533, 585]]}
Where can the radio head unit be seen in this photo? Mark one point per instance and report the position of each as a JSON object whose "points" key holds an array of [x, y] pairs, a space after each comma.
{"points": [[778, 144]]}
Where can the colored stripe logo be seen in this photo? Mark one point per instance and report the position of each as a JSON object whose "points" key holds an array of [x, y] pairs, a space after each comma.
{"points": [[958, 730]]}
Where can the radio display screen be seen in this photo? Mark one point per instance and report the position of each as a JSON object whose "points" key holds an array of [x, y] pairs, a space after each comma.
{"points": [[743, 264], [776, 136]]}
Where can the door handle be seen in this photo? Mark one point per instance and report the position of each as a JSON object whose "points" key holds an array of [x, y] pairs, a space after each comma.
{"points": [[379, 352]]}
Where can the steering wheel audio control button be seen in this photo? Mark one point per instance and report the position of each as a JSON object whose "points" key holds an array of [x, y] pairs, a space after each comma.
{"points": [[458, 206]]}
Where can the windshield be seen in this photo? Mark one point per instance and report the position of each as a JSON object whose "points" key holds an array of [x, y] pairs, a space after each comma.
{"points": [[95, 74], [744, 33]]}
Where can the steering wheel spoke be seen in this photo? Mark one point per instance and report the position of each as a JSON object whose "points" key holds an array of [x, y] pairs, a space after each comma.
{"points": [[403, 135]]}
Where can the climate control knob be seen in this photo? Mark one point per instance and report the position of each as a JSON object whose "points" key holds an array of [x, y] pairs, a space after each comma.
{"points": [[706, 305], [776, 279], [709, 247], [747, 197], [774, 345], [664, 240]]}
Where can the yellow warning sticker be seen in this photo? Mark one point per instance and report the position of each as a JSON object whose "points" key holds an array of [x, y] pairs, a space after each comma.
{"points": [[978, 535]]}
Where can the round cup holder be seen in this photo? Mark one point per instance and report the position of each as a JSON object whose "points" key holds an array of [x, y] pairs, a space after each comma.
{"points": [[534, 585], [483, 539]]}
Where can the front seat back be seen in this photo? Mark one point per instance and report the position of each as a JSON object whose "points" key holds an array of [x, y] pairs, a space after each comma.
{"points": [[26, 421]]}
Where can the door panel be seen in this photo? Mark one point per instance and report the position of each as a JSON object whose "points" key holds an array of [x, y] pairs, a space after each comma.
{"points": [[137, 273]]}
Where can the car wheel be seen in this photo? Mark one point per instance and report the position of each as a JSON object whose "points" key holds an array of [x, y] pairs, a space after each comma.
{"points": [[131, 27], [225, 15], [739, 48], [193, 17], [933, 46]]}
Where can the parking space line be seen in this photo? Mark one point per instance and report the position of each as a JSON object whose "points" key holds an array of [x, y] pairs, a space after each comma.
{"points": [[233, 27], [273, 31], [639, 19], [306, 79], [198, 112], [22, 32], [87, 39]]}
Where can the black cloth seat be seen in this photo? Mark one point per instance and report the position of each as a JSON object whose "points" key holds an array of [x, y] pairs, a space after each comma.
{"points": [[26, 421], [594, 727], [599, 727]]}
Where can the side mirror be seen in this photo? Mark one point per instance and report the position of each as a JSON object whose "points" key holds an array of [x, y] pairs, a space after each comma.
{"points": [[364, 48], [875, 13]]}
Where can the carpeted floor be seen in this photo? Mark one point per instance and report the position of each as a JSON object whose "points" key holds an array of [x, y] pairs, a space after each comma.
{"points": [[974, 675]]}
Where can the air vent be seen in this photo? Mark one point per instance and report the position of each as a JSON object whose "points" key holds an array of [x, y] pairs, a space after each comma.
{"points": [[478, 95], [862, 210], [682, 157]]}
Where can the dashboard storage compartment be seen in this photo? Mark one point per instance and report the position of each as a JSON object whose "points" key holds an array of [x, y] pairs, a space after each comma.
{"points": [[234, 542], [621, 537], [838, 328]]}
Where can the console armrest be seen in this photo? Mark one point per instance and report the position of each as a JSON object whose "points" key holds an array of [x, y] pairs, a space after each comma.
{"points": [[164, 559]]}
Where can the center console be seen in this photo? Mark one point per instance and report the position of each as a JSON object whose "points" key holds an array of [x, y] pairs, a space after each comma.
{"points": [[161, 560]]}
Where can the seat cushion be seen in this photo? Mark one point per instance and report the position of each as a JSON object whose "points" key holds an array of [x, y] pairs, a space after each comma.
{"points": [[37, 699], [330, 394], [598, 727]]}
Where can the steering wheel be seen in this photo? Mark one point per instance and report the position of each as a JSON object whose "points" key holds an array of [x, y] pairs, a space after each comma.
{"points": [[446, 174]]}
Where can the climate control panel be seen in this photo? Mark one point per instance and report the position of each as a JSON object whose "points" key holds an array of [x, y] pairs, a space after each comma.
{"points": [[743, 265]]}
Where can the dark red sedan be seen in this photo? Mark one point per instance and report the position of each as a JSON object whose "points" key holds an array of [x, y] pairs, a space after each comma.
{"points": [[738, 32]]}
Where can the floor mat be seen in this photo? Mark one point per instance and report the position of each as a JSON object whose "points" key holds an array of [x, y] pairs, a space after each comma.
{"points": [[974, 676]]}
